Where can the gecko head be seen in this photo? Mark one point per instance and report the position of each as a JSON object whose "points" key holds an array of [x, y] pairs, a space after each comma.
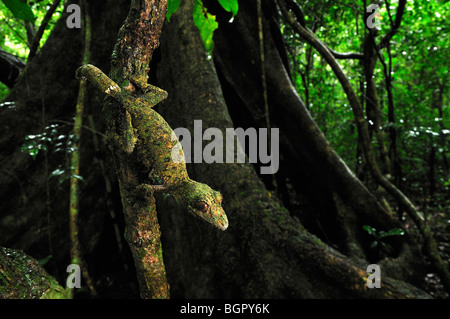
{"points": [[206, 203]]}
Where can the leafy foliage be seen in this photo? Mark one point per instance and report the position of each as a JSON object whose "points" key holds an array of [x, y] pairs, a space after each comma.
{"points": [[20, 10], [205, 21], [378, 236], [379, 245], [230, 6], [18, 22], [172, 7], [420, 58], [51, 140], [13, 33]]}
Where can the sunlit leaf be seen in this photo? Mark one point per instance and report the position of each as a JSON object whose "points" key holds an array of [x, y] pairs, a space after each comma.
{"points": [[172, 7], [206, 23], [230, 6], [20, 10]]}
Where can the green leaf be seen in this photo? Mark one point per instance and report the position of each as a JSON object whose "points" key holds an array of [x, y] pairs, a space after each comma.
{"points": [[20, 10], [206, 23], [372, 231], [172, 6], [230, 6], [43, 261], [56, 172], [31, 147], [33, 152], [42, 147], [392, 232], [77, 177]]}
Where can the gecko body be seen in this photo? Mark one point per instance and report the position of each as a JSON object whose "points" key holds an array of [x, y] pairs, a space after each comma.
{"points": [[155, 143]]}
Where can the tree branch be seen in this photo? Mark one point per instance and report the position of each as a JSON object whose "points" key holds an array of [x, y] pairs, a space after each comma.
{"points": [[347, 55], [130, 63], [300, 17], [394, 27], [37, 37]]}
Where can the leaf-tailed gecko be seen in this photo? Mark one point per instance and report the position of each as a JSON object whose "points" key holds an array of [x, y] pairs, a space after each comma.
{"points": [[156, 141]]}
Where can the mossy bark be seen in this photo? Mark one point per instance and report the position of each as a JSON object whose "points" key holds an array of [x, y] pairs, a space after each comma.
{"points": [[266, 252], [22, 277], [138, 38], [143, 236]]}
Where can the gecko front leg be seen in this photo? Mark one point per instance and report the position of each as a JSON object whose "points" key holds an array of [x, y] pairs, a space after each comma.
{"points": [[126, 138], [151, 94]]}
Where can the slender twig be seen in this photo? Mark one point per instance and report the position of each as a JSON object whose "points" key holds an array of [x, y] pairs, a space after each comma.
{"points": [[300, 17], [394, 26], [75, 251], [37, 37], [263, 76], [347, 55], [389, 13]]}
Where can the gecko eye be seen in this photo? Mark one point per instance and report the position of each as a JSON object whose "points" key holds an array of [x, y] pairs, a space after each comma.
{"points": [[202, 206]]}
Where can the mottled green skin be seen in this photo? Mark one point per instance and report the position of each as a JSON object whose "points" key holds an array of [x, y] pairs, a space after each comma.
{"points": [[155, 143]]}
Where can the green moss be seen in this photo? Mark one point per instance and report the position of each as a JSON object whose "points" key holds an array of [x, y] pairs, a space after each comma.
{"points": [[56, 291], [22, 277]]}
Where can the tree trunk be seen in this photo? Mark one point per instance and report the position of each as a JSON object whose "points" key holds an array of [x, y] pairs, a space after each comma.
{"points": [[265, 252]]}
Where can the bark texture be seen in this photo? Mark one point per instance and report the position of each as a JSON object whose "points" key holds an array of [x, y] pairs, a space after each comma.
{"points": [[21, 277]]}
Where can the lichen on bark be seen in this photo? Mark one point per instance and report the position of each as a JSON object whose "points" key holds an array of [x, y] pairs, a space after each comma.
{"points": [[22, 277]]}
